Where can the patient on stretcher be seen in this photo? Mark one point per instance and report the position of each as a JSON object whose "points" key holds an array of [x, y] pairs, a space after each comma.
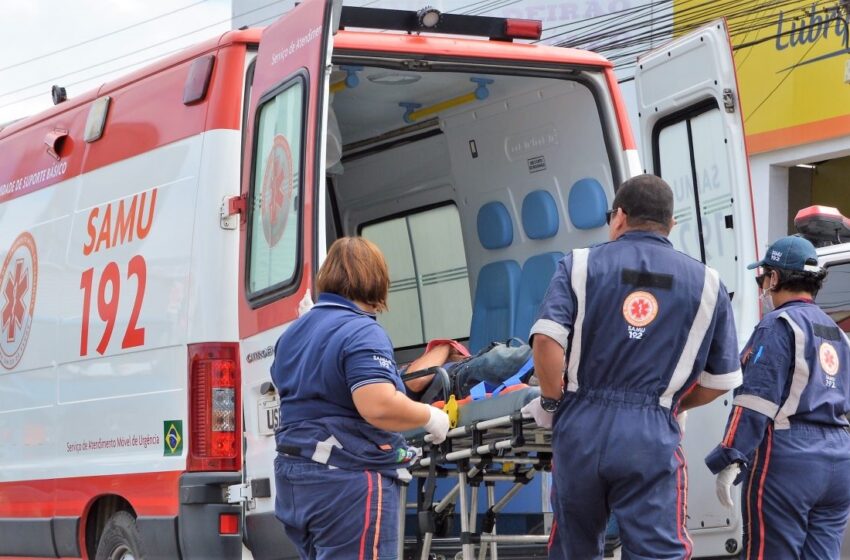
{"points": [[495, 365]]}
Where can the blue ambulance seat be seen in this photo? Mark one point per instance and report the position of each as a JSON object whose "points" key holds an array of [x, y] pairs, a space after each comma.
{"points": [[587, 204], [494, 307], [536, 274], [540, 221], [539, 215]]}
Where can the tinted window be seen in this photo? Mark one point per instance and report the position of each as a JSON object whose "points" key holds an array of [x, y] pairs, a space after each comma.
{"points": [[429, 286], [273, 232], [692, 158]]}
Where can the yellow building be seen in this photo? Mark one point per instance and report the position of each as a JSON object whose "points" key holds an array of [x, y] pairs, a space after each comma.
{"points": [[790, 58]]}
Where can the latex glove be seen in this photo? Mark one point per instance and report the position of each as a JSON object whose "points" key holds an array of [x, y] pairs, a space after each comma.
{"points": [[305, 304], [437, 425], [534, 410], [723, 484], [682, 419]]}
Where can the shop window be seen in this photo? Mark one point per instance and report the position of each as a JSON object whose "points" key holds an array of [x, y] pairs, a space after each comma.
{"points": [[834, 297], [429, 284]]}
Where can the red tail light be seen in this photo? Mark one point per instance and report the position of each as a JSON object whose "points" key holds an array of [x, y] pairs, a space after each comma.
{"points": [[215, 413]]}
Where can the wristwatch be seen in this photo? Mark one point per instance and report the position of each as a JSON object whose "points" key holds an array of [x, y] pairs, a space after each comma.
{"points": [[550, 405]]}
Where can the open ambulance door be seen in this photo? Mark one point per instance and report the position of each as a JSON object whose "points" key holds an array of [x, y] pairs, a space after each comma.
{"points": [[281, 234], [693, 136]]}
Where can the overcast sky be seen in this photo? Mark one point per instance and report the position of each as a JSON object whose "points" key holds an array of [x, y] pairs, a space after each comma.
{"points": [[80, 44], [38, 38]]}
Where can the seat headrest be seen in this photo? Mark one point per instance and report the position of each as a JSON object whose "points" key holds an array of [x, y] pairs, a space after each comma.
{"points": [[587, 204], [495, 229], [540, 215]]}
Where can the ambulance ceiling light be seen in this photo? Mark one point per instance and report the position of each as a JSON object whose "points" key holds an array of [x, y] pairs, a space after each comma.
{"points": [[428, 17], [806, 165], [393, 78]]}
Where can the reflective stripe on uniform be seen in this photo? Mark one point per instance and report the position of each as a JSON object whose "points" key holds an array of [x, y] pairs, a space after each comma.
{"points": [[708, 301], [758, 404], [322, 454], [578, 278], [552, 329], [799, 380], [722, 382]]}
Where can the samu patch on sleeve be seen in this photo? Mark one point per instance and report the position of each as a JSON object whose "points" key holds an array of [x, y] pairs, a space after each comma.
{"points": [[384, 362]]}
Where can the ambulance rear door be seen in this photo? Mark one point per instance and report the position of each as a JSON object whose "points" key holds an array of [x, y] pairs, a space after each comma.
{"points": [[282, 239], [693, 136]]}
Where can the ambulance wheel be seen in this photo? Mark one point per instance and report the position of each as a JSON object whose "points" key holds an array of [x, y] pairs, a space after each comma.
{"points": [[120, 539]]}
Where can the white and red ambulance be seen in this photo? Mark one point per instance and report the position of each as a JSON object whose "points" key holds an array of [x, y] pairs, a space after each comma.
{"points": [[158, 234]]}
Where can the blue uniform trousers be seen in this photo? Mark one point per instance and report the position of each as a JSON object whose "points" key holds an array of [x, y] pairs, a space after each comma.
{"points": [[337, 514], [796, 496], [618, 451]]}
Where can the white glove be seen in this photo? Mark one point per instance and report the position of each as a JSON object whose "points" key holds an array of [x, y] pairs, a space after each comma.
{"points": [[306, 304], [723, 484], [682, 419], [437, 425], [534, 410]]}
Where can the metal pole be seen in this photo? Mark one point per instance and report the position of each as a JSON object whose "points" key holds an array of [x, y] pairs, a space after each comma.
{"points": [[402, 516], [466, 549]]}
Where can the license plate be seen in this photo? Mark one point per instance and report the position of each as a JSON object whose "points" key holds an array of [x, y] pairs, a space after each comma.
{"points": [[268, 415]]}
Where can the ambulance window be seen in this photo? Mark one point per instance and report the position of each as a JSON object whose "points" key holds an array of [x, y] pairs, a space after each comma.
{"points": [[834, 296], [429, 284], [691, 150], [275, 191]]}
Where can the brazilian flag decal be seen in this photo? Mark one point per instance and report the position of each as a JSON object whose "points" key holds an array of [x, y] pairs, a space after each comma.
{"points": [[173, 437]]}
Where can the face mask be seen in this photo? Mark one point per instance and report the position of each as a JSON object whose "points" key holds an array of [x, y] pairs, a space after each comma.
{"points": [[766, 302]]}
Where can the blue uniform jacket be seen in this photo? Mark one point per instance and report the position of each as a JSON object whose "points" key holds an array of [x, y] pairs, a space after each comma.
{"points": [[637, 316], [796, 370], [320, 360]]}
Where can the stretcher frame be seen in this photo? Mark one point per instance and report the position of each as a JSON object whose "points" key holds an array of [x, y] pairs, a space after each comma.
{"points": [[473, 454]]}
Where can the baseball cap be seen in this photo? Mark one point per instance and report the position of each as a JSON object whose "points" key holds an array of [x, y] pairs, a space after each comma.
{"points": [[790, 253]]}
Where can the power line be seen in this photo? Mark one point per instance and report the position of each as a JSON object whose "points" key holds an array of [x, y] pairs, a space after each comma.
{"points": [[102, 62], [99, 37], [149, 59]]}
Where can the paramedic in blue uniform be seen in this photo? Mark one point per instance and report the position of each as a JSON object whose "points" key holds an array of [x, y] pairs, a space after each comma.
{"points": [[787, 430], [644, 333], [340, 455]]}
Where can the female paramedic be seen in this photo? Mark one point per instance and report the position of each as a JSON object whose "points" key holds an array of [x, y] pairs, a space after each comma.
{"points": [[342, 404], [787, 430]]}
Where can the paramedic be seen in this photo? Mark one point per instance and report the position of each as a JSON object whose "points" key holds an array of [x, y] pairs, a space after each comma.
{"points": [[787, 429], [648, 334], [340, 455]]}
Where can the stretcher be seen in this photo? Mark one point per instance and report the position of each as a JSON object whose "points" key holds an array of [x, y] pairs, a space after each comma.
{"points": [[490, 441]]}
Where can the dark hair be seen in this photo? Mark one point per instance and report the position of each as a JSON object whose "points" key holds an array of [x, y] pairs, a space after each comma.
{"points": [[355, 268], [798, 280], [647, 201]]}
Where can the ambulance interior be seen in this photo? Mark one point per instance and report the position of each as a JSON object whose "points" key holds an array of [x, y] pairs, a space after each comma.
{"points": [[473, 185]]}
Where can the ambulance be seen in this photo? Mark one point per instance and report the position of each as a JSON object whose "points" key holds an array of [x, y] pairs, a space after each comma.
{"points": [[158, 233]]}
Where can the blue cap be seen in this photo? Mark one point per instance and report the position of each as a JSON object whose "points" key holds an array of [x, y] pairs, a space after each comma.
{"points": [[790, 253]]}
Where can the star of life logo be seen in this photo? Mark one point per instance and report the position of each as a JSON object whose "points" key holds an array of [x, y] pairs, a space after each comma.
{"points": [[385, 363], [18, 283], [639, 310], [828, 358]]}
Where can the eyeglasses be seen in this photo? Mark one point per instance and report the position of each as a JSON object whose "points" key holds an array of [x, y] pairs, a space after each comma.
{"points": [[609, 214], [760, 278]]}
